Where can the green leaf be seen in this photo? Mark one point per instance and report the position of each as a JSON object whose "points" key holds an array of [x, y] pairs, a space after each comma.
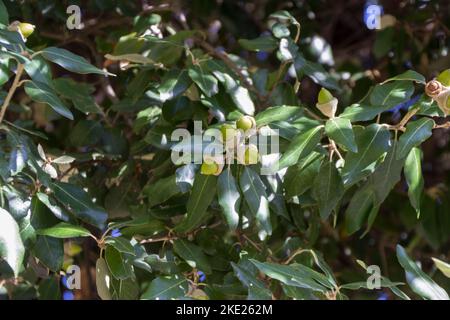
{"points": [[372, 141], [328, 188], [127, 289], [442, 266], [387, 175], [416, 132], [239, 94], [300, 177], [315, 71], [414, 178], [255, 195], [202, 194], [206, 82], [419, 281], [279, 113], [192, 254], [391, 94], [85, 133], [49, 289], [11, 246], [302, 145], [263, 43], [229, 198], [409, 75], [51, 204], [280, 31], [173, 84], [294, 275], [119, 265], [340, 130], [166, 288], [359, 209], [78, 201], [102, 279], [64, 230], [39, 71], [4, 18], [50, 251], [40, 92], [161, 191], [256, 288], [358, 112], [70, 61], [79, 93], [121, 244]]}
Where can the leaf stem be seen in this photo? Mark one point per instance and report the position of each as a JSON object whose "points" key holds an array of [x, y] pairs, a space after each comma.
{"points": [[11, 91]]}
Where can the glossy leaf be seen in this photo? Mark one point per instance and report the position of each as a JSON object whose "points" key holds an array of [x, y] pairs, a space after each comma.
{"points": [[328, 188], [11, 246], [300, 146], [340, 130], [255, 196], [414, 178], [416, 132], [372, 142], [70, 61], [192, 254], [64, 230], [229, 198], [419, 281], [41, 92], [203, 192]]}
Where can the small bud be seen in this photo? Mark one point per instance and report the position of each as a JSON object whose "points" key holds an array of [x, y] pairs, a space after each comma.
{"points": [[246, 123], [326, 103], [433, 88], [26, 29], [444, 78], [251, 155], [324, 96]]}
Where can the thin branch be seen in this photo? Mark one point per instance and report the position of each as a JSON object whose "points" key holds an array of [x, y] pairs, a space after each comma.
{"points": [[14, 86]]}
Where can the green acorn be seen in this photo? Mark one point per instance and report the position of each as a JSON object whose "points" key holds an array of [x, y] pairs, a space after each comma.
{"points": [[246, 123], [208, 169], [228, 132], [26, 29], [324, 96], [251, 155]]}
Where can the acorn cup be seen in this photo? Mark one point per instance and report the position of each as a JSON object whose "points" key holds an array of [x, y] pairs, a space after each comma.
{"points": [[440, 93], [326, 103]]}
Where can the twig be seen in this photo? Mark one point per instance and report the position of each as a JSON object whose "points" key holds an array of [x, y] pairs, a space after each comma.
{"points": [[11, 91]]}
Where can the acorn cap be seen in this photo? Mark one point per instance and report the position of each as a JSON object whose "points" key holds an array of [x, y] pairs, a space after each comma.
{"points": [[329, 108]]}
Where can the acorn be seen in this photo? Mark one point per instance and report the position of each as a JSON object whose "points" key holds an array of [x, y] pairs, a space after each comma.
{"points": [[251, 155], [211, 166], [26, 29], [228, 132], [439, 93], [246, 123], [326, 103]]}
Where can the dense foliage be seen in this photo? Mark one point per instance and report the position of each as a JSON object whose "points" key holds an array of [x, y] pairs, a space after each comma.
{"points": [[87, 178]]}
